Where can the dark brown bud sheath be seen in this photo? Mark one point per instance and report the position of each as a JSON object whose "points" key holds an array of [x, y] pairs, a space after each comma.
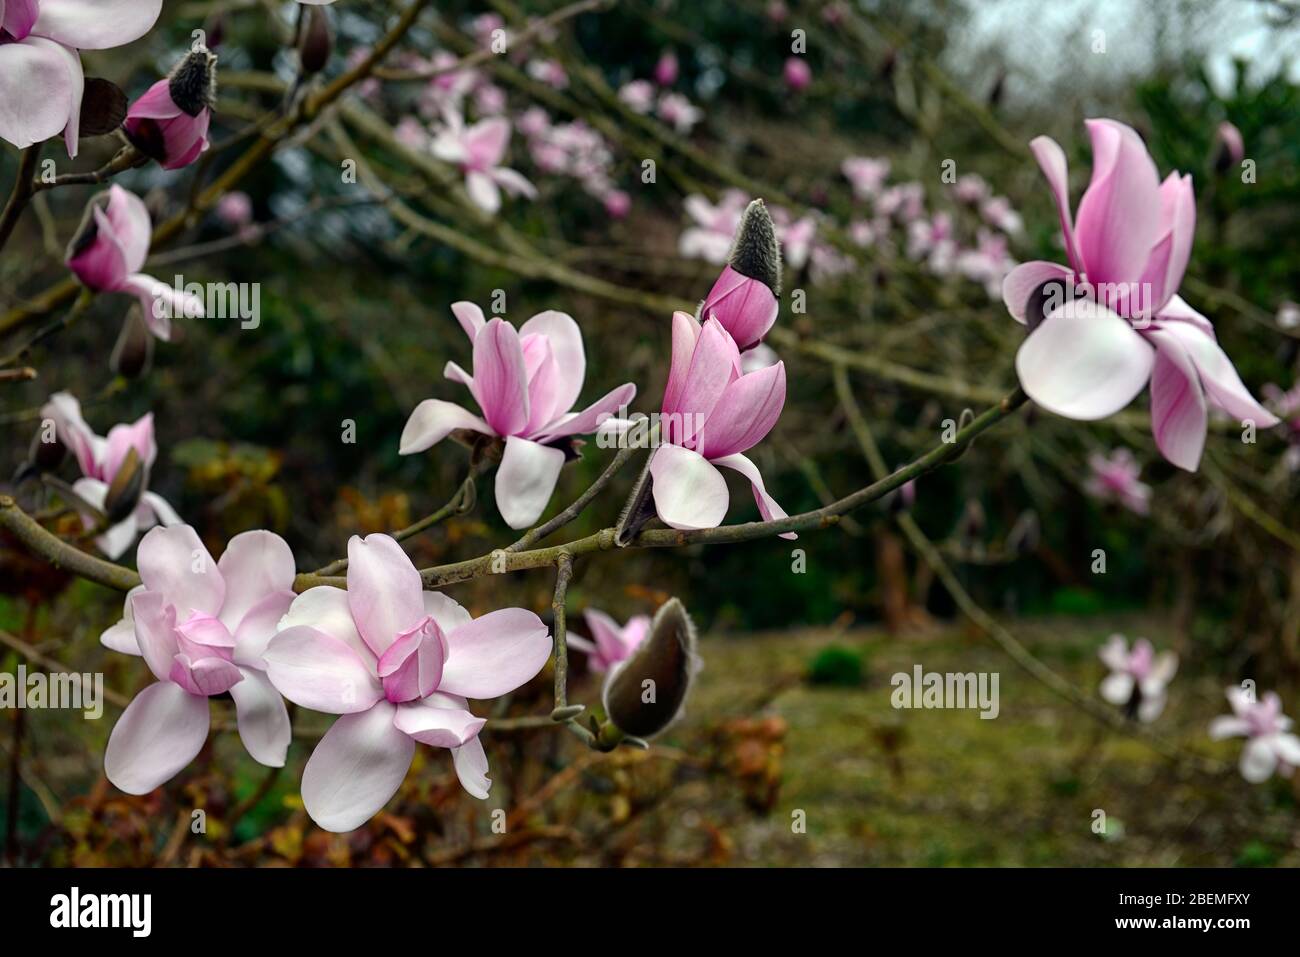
{"points": [[133, 352], [128, 485], [103, 107], [193, 82], [645, 694], [315, 39], [755, 252]]}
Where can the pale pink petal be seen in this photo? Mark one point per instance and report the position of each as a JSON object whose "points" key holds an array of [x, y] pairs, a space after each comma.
{"points": [[121, 636], [162, 512], [470, 317], [495, 654], [155, 635], [262, 718], [545, 387], [1258, 760], [767, 506], [123, 438], [96, 24], [593, 416], [432, 421], [1178, 407], [471, 765], [686, 332], [501, 377], [1051, 160], [607, 635], [357, 766], [384, 590], [41, 86], [412, 666], [1178, 226], [1019, 285], [688, 491], [160, 732], [72, 430], [1117, 688], [254, 565], [565, 339], [513, 182], [483, 191], [176, 564], [1084, 362], [317, 671], [258, 625], [1218, 375], [446, 611], [525, 480], [747, 411], [485, 142], [1229, 726], [132, 226], [1119, 215], [436, 726]]}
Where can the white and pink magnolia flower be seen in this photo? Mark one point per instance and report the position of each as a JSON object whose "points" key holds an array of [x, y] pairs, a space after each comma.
{"points": [[971, 188], [796, 237], [679, 112], [998, 212], [865, 174], [715, 226], [712, 414], [109, 251], [610, 642], [201, 627], [398, 664], [638, 95], [41, 81], [550, 72], [525, 382], [1116, 478], [1127, 249], [987, 263], [100, 458], [1137, 679], [904, 202], [533, 121], [1271, 745], [479, 150]]}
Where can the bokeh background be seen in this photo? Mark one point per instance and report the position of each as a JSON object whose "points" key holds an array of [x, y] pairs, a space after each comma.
{"points": [[791, 720]]}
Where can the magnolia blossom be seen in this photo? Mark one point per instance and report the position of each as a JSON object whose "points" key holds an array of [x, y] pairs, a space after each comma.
{"points": [[797, 74], [479, 150], [997, 211], [745, 307], [235, 209], [971, 188], [987, 263], [1138, 678], [617, 203], [1271, 745], [525, 382], [796, 236], [638, 95], [448, 87], [549, 72], [904, 202], [201, 627], [679, 112], [1115, 479], [101, 459], [865, 174], [1127, 247], [712, 413], [398, 664], [609, 643], [170, 121], [666, 69], [715, 226], [932, 239], [109, 251], [41, 82]]}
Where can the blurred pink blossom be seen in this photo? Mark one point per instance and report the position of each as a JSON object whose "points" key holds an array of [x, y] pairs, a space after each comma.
{"points": [[1270, 745]]}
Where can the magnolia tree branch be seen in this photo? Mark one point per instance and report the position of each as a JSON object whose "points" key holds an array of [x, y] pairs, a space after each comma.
{"points": [[22, 192]]}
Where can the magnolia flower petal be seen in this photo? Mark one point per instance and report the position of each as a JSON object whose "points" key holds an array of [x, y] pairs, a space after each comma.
{"points": [[500, 377], [525, 480], [1051, 160], [1084, 362], [1019, 285], [748, 409], [593, 416], [258, 626], [74, 432], [175, 563], [357, 766], [607, 635], [495, 654], [163, 513], [446, 611], [483, 191], [470, 761], [254, 565], [132, 226], [1223, 386], [432, 421], [317, 671], [326, 609], [96, 24], [1178, 408], [686, 332], [1228, 726], [383, 590], [565, 339], [767, 506], [1114, 653], [1117, 688], [688, 491], [41, 85], [160, 732], [262, 718], [1258, 760], [470, 317], [435, 726], [121, 636], [714, 365], [1119, 214]]}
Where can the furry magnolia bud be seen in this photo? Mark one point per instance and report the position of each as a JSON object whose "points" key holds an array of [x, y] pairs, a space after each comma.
{"points": [[645, 693], [193, 81], [755, 252], [134, 349], [128, 485]]}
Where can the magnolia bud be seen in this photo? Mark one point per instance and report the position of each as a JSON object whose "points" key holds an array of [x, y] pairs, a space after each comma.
{"points": [[315, 40], [645, 693], [133, 352], [128, 485], [42, 457], [755, 252], [193, 82]]}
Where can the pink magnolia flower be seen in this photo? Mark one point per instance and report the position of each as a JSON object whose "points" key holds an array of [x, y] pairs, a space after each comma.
{"points": [[109, 251], [41, 82], [796, 237], [609, 643], [666, 69], [998, 212], [987, 263], [398, 664], [971, 188], [744, 306], [525, 383], [1116, 479], [904, 202], [201, 627], [1088, 358], [715, 226], [865, 174], [549, 72], [1271, 745], [712, 413], [169, 123], [479, 150], [797, 74], [533, 121], [1138, 679], [679, 112], [100, 459], [490, 100], [235, 209], [639, 95], [617, 203]]}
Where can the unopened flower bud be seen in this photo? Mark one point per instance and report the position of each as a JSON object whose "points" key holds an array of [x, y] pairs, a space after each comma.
{"points": [[315, 40], [133, 352], [1230, 148], [645, 693], [743, 299], [170, 122], [128, 485]]}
